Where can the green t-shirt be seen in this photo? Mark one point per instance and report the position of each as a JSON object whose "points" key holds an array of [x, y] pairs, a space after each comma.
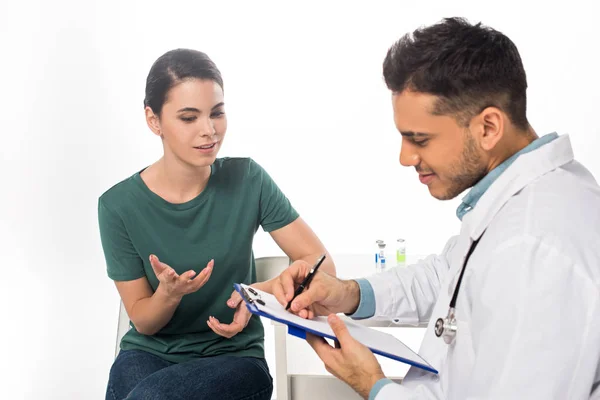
{"points": [[220, 224]]}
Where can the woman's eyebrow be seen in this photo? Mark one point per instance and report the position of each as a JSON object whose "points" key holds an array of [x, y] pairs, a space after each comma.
{"points": [[194, 109]]}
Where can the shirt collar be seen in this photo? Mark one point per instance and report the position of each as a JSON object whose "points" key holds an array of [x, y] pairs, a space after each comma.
{"points": [[471, 199]]}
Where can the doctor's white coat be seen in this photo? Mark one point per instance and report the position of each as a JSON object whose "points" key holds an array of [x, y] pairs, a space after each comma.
{"points": [[528, 309]]}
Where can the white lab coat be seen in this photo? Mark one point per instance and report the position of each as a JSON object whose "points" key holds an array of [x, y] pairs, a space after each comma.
{"points": [[528, 309]]}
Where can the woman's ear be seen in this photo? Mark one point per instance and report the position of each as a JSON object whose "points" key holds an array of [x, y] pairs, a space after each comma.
{"points": [[153, 121]]}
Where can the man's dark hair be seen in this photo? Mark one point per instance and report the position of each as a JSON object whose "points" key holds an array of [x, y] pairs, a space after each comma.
{"points": [[470, 67]]}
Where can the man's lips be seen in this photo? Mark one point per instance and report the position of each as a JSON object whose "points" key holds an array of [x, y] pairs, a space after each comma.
{"points": [[426, 178]]}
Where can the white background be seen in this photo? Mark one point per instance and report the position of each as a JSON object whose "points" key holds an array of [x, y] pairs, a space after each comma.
{"points": [[305, 98]]}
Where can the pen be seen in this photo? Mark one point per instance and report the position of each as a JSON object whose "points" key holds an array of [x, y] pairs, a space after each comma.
{"points": [[306, 280]]}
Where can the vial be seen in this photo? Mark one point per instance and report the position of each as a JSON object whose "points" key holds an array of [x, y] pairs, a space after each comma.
{"points": [[401, 252], [380, 262]]}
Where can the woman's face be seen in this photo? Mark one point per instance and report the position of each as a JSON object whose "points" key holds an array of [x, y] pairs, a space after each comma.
{"points": [[192, 123]]}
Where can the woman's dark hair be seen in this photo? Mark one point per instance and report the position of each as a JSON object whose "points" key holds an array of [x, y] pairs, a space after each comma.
{"points": [[469, 67], [173, 67]]}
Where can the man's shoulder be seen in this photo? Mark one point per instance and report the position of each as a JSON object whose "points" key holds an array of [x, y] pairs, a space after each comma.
{"points": [[566, 193], [559, 209]]}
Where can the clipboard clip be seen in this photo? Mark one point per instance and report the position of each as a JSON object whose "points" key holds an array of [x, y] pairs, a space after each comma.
{"points": [[249, 299]]}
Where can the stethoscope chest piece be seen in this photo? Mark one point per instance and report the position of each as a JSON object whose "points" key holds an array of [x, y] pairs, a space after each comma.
{"points": [[446, 327]]}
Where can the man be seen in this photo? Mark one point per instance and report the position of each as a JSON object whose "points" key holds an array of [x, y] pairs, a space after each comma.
{"points": [[527, 314]]}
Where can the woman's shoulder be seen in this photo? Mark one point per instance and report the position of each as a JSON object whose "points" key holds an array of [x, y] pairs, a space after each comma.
{"points": [[115, 196], [243, 167]]}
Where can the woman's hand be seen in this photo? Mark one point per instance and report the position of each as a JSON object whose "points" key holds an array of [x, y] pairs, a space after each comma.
{"points": [[176, 286], [240, 320], [241, 317]]}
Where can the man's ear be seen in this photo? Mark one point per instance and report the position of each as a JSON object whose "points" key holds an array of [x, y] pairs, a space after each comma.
{"points": [[153, 121], [488, 126]]}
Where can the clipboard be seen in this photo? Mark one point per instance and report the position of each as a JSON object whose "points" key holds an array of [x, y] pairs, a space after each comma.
{"points": [[266, 305]]}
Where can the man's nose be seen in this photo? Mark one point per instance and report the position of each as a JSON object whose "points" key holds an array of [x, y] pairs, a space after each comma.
{"points": [[408, 155]]}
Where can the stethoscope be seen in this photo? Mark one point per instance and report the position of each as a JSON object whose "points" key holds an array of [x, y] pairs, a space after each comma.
{"points": [[446, 327]]}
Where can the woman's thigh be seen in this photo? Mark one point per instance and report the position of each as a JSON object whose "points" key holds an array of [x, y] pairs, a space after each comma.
{"points": [[221, 377], [130, 368]]}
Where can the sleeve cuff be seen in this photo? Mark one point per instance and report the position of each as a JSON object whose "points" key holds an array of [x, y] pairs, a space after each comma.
{"points": [[273, 226], [378, 386], [366, 306]]}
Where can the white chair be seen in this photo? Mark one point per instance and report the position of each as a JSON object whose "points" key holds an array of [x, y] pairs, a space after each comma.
{"points": [[122, 327]]}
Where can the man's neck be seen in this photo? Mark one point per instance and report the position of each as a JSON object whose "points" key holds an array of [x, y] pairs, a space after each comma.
{"points": [[512, 142]]}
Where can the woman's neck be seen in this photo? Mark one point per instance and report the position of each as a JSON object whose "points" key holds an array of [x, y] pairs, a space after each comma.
{"points": [[176, 181]]}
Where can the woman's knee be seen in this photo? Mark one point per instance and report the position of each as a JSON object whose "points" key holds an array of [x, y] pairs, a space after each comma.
{"points": [[130, 368], [258, 382]]}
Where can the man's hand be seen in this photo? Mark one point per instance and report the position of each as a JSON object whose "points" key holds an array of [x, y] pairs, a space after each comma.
{"points": [[175, 286], [325, 294], [349, 361]]}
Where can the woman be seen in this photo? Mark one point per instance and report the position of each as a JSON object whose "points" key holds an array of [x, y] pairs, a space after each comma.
{"points": [[189, 209]]}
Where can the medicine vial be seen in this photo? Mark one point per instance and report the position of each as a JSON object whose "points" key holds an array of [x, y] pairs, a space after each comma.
{"points": [[380, 262], [401, 252]]}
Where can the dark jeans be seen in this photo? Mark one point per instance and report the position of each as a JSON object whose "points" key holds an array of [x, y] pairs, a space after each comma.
{"points": [[137, 374]]}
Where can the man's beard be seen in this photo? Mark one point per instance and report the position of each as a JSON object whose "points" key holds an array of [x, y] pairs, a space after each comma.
{"points": [[466, 172]]}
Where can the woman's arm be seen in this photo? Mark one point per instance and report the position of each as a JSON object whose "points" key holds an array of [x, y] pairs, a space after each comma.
{"points": [[286, 227], [276, 216], [151, 311], [299, 242], [148, 311]]}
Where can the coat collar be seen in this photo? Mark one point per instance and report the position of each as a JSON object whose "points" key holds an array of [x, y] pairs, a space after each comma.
{"points": [[523, 171], [472, 198]]}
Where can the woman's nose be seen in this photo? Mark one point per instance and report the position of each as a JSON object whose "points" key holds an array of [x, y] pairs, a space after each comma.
{"points": [[208, 128]]}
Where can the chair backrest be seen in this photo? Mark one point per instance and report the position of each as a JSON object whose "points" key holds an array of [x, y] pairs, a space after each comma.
{"points": [[270, 267], [122, 327], [266, 268]]}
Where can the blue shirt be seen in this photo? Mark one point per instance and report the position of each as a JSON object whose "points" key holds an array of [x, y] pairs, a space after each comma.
{"points": [[366, 306]]}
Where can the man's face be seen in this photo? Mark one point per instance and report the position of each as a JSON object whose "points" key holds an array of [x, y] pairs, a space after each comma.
{"points": [[445, 154]]}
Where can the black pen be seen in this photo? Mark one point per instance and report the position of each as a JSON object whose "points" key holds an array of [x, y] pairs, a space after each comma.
{"points": [[306, 280]]}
